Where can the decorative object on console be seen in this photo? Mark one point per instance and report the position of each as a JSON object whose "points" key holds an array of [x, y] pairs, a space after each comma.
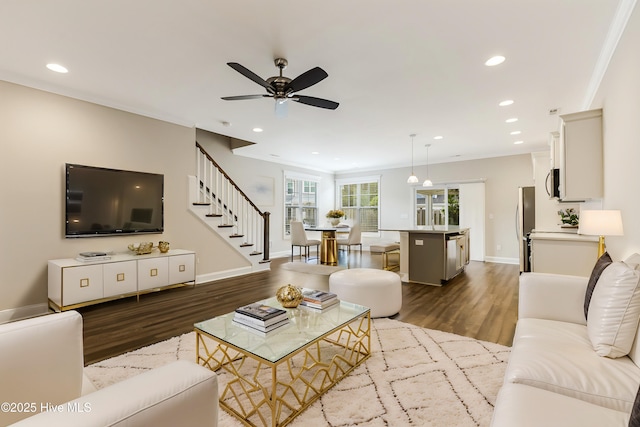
{"points": [[141, 248], [569, 217], [601, 223], [163, 247], [289, 296]]}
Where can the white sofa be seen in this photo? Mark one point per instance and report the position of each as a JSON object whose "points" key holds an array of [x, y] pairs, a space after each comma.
{"points": [[41, 367], [554, 376]]}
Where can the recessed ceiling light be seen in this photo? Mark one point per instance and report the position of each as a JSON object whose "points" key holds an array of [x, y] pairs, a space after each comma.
{"points": [[337, 158], [512, 120], [315, 152], [518, 142], [257, 129], [496, 60], [506, 102], [516, 132], [57, 68], [438, 137]]}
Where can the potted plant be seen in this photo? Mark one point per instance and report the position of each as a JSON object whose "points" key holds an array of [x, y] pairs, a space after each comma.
{"points": [[335, 215], [569, 217]]}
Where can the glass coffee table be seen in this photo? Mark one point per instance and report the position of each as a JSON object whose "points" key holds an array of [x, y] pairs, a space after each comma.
{"points": [[277, 376]]}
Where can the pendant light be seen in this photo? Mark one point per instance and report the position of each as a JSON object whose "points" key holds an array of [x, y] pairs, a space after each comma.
{"points": [[427, 182], [413, 179]]}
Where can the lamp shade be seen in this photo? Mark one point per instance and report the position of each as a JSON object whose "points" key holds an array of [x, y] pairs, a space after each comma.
{"points": [[600, 223]]}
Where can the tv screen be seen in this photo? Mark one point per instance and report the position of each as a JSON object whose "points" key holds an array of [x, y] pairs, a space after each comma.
{"points": [[103, 202]]}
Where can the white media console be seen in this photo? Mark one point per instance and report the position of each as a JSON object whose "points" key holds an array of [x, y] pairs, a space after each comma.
{"points": [[74, 283]]}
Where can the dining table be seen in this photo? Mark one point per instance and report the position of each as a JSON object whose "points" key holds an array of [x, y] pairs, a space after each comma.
{"points": [[328, 244]]}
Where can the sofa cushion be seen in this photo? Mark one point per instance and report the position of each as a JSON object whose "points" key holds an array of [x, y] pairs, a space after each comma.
{"points": [[558, 357], [614, 310], [602, 263], [523, 406]]}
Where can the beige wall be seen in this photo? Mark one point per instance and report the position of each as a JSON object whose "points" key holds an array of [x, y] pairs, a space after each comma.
{"points": [[39, 133], [502, 177], [619, 96]]}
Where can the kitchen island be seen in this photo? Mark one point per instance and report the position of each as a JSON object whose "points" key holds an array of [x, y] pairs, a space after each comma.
{"points": [[433, 256]]}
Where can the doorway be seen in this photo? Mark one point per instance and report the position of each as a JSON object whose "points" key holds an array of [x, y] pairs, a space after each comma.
{"points": [[454, 204]]}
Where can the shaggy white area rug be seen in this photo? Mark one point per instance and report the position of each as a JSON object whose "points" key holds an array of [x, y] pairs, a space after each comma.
{"points": [[415, 376]]}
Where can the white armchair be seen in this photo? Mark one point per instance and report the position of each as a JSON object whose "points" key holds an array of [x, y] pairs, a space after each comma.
{"points": [[43, 383]]}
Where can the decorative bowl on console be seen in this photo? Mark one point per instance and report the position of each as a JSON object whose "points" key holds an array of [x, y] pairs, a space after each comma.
{"points": [[141, 248]]}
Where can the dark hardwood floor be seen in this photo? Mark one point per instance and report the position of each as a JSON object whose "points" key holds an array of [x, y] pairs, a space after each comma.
{"points": [[479, 303]]}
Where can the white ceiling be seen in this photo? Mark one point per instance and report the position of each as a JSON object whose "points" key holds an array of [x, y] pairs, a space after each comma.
{"points": [[396, 68]]}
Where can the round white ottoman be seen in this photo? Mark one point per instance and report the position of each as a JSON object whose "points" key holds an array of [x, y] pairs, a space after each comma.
{"points": [[379, 290]]}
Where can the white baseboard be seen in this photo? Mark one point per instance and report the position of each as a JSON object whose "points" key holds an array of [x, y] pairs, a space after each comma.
{"points": [[25, 312], [502, 260], [218, 275]]}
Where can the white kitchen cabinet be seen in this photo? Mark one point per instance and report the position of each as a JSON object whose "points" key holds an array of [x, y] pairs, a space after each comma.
{"points": [[580, 156], [73, 283], [563, 253]]}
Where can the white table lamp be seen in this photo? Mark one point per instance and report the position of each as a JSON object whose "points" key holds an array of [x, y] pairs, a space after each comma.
{"points": [[600, 223]]}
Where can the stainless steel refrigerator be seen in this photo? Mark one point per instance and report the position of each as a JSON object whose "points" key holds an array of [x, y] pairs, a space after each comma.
{"points": [[525, 223]]}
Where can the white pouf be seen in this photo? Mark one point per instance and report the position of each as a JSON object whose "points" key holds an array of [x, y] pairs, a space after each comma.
{"points": [[379, 290]]}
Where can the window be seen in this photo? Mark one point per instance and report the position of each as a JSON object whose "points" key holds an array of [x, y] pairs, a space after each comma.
{"points": [[300, 201], [439, 206], [359, 200]]}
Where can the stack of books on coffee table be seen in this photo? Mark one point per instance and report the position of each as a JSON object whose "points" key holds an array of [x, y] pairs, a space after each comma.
{"points": [[319, 299], [261, 318]]}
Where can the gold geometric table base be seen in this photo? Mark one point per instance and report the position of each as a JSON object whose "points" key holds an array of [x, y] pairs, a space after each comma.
{"points": [[263, 393]]}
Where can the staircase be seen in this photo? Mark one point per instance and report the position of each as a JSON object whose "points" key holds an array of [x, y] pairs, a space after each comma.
{"points": [[216, 200]]}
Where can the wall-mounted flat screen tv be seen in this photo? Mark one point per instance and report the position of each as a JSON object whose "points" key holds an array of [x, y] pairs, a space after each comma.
{"points": [[106, 202]]}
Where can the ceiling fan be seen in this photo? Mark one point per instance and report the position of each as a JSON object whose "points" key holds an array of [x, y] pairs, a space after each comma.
{"points": [[283, 89]]}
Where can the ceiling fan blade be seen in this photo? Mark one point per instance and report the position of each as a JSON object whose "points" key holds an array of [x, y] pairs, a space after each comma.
{"points": [[250, 75], [306, 79], [241, 97], [316, 102]]}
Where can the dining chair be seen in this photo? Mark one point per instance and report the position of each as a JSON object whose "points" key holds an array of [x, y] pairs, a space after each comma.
{"points": [[299, 238], [354, 238]]}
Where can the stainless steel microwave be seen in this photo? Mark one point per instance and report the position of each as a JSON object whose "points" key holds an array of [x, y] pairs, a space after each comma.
{"points": [[553, 183]]}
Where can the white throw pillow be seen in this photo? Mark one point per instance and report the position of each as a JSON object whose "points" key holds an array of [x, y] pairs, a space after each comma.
{"points": [[614, 310]]}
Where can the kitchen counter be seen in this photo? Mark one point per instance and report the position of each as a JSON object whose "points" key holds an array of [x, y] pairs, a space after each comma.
{"points": [[563, 253], [568, 236], [430, 230], [432, 256]]}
